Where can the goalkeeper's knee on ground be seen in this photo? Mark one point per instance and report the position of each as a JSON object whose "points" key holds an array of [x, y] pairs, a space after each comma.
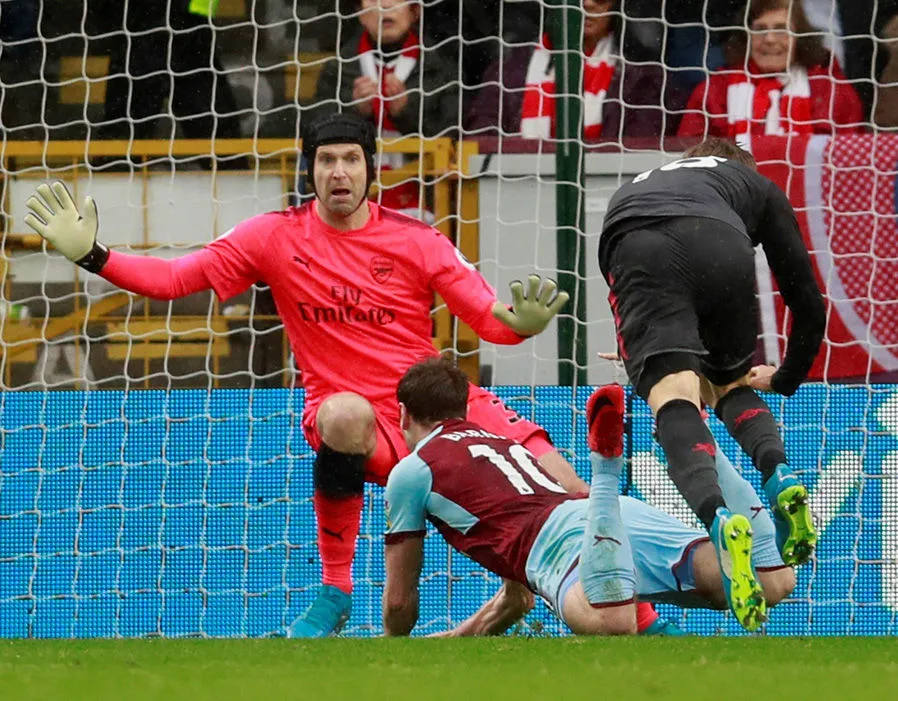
{"points": [[339, 475]]}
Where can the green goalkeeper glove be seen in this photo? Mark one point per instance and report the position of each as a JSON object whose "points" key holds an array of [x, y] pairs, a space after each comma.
{"points": [[55, 216], [529, 315]]}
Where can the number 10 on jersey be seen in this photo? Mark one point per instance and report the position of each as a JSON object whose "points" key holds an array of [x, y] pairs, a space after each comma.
{"points": [[518, 469]]}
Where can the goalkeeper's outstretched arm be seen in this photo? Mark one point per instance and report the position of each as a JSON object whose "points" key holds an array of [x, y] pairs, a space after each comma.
{"points": [[56, 218], [471, 298]]}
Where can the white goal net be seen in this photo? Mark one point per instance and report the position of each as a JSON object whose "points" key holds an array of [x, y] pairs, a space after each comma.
{"points": [[154, 479]]}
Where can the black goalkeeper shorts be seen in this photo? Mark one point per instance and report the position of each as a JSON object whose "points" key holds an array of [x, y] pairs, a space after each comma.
{"points": [[683, 295]]}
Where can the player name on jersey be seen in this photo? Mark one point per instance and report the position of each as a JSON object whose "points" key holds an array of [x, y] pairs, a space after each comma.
{"points": [[456, 436]]}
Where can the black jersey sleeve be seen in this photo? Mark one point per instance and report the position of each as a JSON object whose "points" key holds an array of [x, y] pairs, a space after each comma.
{"points": [[788, 257]]}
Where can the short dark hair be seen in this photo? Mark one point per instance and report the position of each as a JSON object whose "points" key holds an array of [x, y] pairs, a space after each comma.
{"points": [[434, 390], [809, 48], [725, 148]]}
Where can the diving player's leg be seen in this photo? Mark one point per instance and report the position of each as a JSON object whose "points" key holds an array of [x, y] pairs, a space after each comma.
{"points": [[345, 433], [607, 578], [663, 552], [742, 499], [673, 563], [677, 564], [487, 410], [701, 571]]}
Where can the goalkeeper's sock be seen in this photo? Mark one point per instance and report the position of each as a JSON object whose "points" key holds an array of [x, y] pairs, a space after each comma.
{"points": [[646, 615], [338, 529], [748, 419]]}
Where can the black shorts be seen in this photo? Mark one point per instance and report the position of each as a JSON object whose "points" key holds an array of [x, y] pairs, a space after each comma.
{"points": [[683, 294]]}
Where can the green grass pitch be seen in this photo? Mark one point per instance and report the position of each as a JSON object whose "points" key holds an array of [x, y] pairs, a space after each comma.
{"points": [[625, 669]]}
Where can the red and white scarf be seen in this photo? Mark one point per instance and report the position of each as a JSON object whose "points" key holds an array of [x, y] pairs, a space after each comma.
{"points": [[769, 104], [403, 196], [373, 66], [538, 110]]}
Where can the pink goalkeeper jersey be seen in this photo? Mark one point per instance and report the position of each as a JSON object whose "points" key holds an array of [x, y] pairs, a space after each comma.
{"points": [[355, 304]]}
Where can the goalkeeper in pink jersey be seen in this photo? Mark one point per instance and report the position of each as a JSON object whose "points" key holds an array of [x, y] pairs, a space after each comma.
{"points": [[353, 283]]}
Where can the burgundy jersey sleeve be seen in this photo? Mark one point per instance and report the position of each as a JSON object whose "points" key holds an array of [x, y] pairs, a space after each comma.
{"points": [[406, 496]]}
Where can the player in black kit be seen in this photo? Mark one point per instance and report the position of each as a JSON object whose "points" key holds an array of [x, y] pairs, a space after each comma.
{"points": [[677, 252]]}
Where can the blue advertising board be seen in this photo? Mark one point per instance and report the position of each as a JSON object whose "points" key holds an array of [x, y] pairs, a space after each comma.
{"points": [[188, 513]]}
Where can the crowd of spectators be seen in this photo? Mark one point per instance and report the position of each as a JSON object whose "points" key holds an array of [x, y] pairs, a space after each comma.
{"points": [[518, 93], [451, 67], [778, 79], [472, 68]]}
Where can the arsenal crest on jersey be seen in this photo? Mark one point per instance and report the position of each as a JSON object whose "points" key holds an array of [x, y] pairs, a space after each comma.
{"points": [[381, 268]]}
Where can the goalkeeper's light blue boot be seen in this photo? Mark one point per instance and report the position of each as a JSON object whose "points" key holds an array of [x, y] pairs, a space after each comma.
{"points": [[663, 627], [326, 616], [732, 538], [796, 535]]}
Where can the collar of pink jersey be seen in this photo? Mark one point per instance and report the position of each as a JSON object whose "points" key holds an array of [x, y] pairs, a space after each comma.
{"points": [[374, 218]]}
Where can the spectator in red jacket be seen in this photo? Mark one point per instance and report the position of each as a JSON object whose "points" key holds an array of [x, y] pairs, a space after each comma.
{"points": [[620, 99], [779, 80]]}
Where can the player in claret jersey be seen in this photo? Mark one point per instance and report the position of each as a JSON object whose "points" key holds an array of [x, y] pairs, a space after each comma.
{"points": [[588, 557], [354, 283]]}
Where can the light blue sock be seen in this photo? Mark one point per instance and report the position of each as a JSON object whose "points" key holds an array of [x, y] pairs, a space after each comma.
{"points": [[606, 561], [742, 498]]}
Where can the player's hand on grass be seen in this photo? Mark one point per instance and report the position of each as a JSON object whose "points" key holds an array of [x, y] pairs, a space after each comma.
{"points": [[531, 313], [760, 376], [55, 217]]}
